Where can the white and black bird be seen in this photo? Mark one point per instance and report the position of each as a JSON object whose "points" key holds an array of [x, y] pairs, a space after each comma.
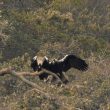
{"points": [[59, 66]]}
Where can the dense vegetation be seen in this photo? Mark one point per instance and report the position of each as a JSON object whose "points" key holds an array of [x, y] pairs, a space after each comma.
{"points": [[55, 28]]}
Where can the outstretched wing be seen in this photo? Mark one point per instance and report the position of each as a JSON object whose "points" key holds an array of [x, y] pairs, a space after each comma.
{"points": [[76, 62]]}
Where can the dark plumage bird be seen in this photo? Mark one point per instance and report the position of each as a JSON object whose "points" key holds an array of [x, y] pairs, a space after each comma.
{"points": [[60, 66]]}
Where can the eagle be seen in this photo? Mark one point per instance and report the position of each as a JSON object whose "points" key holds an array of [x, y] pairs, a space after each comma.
{"points": [[59, 67]]}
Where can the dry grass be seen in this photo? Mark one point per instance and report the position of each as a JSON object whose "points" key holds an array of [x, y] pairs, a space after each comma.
{"points": [[86, 91]]}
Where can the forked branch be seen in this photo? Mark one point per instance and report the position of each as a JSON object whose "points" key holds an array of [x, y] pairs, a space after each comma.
{"points": [[21, 75], [11, 71]]}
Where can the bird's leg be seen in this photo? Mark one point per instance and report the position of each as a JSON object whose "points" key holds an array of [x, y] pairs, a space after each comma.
{"points": [[53, 79], [63, 78]]}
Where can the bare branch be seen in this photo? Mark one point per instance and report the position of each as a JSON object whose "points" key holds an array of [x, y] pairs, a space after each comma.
{"points": [[38, 88], [5, 71], [10, 71], [21, 75]]}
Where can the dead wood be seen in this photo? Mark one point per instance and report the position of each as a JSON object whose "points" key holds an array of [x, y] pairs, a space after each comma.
{"points": [[21, 75]]}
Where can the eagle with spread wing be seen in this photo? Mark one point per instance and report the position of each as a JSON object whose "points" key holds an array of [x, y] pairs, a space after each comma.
{"points": [[59, 67]]}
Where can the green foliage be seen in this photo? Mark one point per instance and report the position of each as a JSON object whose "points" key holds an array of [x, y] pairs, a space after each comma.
{"points": [[88, 91], [55, 28], [68, 5], [93, 44], [27, 30]]}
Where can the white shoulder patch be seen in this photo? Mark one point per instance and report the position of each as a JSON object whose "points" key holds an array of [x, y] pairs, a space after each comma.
{"points": [[46, 57], [35, 58], [63, 58]]}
